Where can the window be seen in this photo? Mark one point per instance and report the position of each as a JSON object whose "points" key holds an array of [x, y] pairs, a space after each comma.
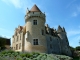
{"points": [[17, 38], [33, 12], [50, 39], [51, 46], [42, 32], [19, 45], [20, 36], [35, 41], [16, 46], [13, 40], [34, 22]]}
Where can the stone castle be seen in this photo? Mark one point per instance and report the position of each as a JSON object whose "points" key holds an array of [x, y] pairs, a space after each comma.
{"points": [[35, 36]]}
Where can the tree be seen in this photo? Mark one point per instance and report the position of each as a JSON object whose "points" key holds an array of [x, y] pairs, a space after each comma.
{"points": [[2, 42], [71, 48], [78, 48]]}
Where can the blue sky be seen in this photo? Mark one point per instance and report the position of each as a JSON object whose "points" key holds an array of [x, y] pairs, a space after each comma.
{"points": [[58, 12]]}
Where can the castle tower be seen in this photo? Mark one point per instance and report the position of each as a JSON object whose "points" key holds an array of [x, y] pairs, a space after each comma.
{"points": [[64, 41], [35, 40], [61, 32]]}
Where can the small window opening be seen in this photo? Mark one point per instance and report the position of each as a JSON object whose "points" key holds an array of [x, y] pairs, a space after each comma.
{"points": [[34, 22], [35, 41], [42, 32]]}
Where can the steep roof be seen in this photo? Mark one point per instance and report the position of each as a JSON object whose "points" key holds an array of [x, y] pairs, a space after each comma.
{"points": [[59, 29], [35, 9]]}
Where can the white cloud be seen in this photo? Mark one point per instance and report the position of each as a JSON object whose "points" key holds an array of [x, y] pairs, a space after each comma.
{"points": [[73, 32], [74, 14], [77, 11], [16, 3], [19, 3], [78, 8], [70, 3], [75, 8]]}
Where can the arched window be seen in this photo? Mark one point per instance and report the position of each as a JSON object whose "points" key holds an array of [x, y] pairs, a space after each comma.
{"points": [[34, 22]]}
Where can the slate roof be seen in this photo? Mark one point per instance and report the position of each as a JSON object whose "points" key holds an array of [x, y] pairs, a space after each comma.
{"points": [[35, 9]]}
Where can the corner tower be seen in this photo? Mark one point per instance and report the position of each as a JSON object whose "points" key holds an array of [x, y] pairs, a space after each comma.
{"points": [[35, 40]]}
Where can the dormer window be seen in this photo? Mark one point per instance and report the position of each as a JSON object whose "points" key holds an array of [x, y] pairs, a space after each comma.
{"points": [[34, 22]]}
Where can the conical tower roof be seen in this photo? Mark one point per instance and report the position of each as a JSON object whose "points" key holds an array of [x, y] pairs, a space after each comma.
{"points": [[59, 29], [63, 29], [35, 9]]}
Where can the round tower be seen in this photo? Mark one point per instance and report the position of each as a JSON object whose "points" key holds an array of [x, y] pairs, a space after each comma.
{"points": [[35, 40]]}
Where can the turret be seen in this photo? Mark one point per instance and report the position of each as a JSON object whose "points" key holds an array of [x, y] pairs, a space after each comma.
{"points": [[34, 12], [61, 32], [63, 29], [59, 29], [35, 30]]}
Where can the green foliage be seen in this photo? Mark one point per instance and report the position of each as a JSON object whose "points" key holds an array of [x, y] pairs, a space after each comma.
{"points": [[7, 51], [2, 41], [72, 48], [19, 58], [77, 58], [11, 55], [78, 48]]}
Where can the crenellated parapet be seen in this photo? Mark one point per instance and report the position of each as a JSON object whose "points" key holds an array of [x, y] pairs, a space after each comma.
{"points": [[34, 14]]}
